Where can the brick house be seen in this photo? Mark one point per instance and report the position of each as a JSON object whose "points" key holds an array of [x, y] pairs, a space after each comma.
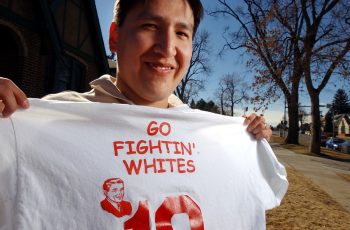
{"points": [[48, 46]]}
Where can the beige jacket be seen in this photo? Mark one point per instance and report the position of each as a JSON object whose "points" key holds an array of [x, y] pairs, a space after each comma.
{"points": [[103, 90]]}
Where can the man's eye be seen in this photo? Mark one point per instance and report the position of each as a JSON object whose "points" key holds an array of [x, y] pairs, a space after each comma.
{"points": [[150, 26], [182, 34]]}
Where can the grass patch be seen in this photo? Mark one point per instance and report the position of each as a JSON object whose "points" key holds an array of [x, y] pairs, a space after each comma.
{"points": [[300, 149], [303, 149]]}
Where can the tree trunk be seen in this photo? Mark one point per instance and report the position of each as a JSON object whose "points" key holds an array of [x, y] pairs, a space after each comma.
{"points": [[293, 130], [315, 124], [222, 105]]}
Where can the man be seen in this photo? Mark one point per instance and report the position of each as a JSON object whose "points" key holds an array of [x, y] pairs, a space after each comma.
{"points": [[113, 203], [203, 165], [153, 52]]}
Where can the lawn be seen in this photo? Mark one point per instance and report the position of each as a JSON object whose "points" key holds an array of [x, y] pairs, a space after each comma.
{"points": [[306, 206]]}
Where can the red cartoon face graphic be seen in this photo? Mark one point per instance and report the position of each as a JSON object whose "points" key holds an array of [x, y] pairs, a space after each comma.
{"points": [[115, 193], [113, 203]]}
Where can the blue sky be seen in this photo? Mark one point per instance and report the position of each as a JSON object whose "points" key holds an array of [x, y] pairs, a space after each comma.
{"points": [[232, 62]]}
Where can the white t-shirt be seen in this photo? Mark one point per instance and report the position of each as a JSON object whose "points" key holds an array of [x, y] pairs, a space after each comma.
{"points": [[67, 165]]}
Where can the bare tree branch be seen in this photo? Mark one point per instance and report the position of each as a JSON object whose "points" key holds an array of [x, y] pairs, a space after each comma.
{"points": [[288, 40], [232, 90], [198, 69]]}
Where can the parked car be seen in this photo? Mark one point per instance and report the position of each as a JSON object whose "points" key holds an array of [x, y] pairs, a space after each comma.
{"points": [[323, 140], [333, 143], [345, 147]]}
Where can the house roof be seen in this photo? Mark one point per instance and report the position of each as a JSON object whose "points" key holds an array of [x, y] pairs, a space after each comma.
{"points": [[338, 118], [94, 24]]}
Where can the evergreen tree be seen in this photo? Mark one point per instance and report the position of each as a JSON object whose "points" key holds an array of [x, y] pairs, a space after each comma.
{"points": [[340, 105], [207, 106], [212, 107], [201, 104], [341, 102], [193, 104], [328, 121]]}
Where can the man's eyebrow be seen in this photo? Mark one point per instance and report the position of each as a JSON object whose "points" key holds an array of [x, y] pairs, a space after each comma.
{"points": [[149, 16], [186, 26]]}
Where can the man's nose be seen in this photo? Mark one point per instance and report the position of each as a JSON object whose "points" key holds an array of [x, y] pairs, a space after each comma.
{"points": [[166, 44]]}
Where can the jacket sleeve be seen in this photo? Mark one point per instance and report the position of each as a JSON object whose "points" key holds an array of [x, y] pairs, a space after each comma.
{"points": [[8, 173]]}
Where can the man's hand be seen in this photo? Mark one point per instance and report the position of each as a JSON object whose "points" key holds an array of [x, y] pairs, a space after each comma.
{"points": [[11, 97], [258, 127]]}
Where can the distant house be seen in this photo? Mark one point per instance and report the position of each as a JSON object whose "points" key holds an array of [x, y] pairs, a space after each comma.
{"points": [[342, 123], [48, 46], [112, 64]]}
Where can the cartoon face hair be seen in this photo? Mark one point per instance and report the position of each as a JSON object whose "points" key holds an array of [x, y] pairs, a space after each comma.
{"points": [[107, 184]]}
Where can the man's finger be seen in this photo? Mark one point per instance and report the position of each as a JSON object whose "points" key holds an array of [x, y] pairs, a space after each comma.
{"points": [[258, 123], [259, 136], [266, 133], [10, 103], [249, 119], [11, 97], [20, 96]]}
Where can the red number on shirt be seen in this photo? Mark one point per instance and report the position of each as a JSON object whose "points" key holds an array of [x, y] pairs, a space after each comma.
{"points": [[176, 205], [170, 206], [140, 221]]}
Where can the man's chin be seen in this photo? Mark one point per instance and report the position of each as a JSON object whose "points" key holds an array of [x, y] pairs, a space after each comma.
{"points": [[158, 95], [116, 200]]}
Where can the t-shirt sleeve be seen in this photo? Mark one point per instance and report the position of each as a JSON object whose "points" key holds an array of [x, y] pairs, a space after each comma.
{"points": [[8, 176], [274, 174]]}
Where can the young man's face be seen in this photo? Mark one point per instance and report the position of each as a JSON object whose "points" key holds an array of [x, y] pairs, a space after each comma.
{"points": [[154, 50]]}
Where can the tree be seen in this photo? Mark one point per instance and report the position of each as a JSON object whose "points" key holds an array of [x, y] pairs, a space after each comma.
{"points": [[326, 44], [232, 90], [220, 94], [192, 104], [294, 39], [329, 121], [302, 117], [272, 52], [340, 105], [111, 56], [199, 67], [207, 106]]}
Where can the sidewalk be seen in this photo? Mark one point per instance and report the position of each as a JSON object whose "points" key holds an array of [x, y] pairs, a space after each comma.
{"points": [[331, 176]]}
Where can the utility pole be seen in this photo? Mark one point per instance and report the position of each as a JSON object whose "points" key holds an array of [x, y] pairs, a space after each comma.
{"points": [[333, 125]]}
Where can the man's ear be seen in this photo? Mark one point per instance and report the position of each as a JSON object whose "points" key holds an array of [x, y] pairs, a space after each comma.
{"points": [[113, 37]]}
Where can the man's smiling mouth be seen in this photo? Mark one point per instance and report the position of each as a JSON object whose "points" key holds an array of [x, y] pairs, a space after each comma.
{"points": [[160, 66]]}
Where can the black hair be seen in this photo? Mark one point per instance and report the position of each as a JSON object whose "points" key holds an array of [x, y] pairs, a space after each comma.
{"points": [[122, 7]]}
